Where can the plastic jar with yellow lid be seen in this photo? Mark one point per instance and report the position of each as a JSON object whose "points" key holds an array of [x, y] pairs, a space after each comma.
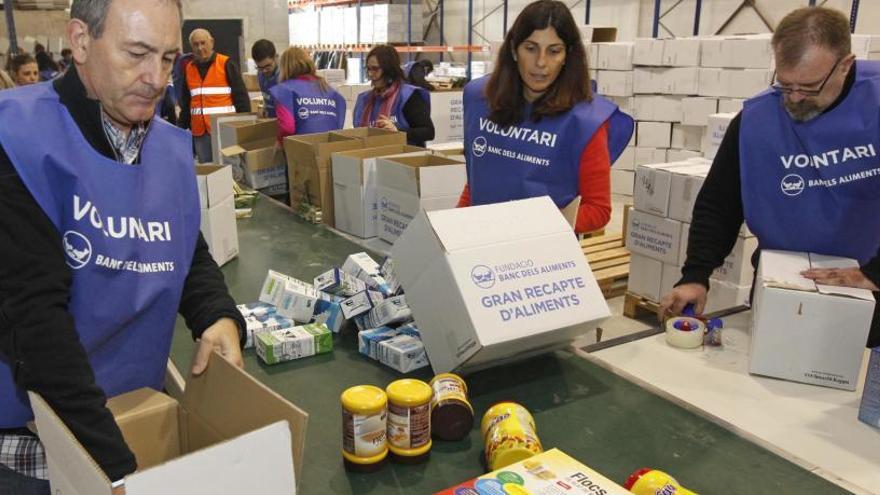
{"points": [[509, 434], [452, 415], [364, 427], [409, 420]]}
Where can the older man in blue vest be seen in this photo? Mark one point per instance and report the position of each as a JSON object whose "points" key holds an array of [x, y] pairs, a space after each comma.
{"points": [[99, 235], [799, 164]]}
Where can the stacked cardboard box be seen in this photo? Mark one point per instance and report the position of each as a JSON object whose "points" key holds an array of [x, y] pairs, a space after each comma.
{"points": [[657, 235], [407, 185], [218, 211]]}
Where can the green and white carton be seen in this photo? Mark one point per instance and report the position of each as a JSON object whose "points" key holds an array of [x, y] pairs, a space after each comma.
{"points": [[287, 344]]}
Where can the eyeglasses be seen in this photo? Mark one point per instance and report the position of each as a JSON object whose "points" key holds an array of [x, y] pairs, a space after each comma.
{"points": [[373, 68], [266, 67], [787, 90]]}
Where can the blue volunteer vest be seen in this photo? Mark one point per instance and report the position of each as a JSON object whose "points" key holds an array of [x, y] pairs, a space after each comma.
{"points": [[128, 234], [406, 90], [534, 159], [815, 186], [312, 109]]}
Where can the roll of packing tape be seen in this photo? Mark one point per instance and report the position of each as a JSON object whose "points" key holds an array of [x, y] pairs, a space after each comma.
{"points": [[684, 332]]}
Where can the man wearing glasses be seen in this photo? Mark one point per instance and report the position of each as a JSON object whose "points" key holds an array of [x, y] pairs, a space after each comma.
{"points": [[799, 164], [264, 55]]}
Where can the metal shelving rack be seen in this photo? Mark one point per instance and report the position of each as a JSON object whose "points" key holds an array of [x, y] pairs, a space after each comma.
{"points": [[409, 48], [658, 15]]}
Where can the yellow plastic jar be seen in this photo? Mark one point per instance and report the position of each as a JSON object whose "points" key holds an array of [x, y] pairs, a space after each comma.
{"points": [[509, 435], [409, 420], [452, 415], [364, 427]]}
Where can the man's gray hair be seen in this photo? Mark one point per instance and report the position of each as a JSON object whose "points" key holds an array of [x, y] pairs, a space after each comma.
{"points": [[94, 13]]}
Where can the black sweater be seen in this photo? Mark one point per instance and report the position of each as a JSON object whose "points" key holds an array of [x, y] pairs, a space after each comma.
{"points": [[37, 333], [418, 116], [240, 98], [718, 214]]}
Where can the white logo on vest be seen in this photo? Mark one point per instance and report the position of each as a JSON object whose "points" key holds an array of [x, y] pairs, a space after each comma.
{"points": [[303, 112], [483, 276], [479, 147], [77, 248], [793, 184]]}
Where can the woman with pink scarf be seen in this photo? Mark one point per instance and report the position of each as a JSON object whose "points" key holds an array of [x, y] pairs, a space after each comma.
{"points": [[392, 103]]}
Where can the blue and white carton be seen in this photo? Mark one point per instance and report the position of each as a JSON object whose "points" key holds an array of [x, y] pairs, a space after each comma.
{"points": [[496, 282], [869, 410]]}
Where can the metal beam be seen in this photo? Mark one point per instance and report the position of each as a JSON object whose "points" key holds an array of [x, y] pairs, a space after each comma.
{"points": [[587, 12], [10, 26], [853, 16], [697, 12], [470, 38], [656, 29]]}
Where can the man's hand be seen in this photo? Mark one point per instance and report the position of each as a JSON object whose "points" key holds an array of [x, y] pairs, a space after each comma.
{"points": [[384, 122], [119, 490], [223, 336], [673, 303], [841, 277]]}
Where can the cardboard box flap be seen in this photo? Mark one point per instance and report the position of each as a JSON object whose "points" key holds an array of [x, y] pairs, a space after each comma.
{"points": [[149, 421], [226, 468], [63, 450], [233, 150], [822, 261], [464, 228], [782, 269], [257, 131], [215, 399]]}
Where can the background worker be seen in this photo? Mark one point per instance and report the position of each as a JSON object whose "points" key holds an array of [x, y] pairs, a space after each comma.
{"points": [[304, 101], [392, 103], [822, 100], [566, 136], [24, 70], [214, 86], [264, 55]]}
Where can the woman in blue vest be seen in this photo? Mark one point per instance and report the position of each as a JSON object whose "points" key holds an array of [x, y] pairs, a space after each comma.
{"points": [[304, 102], [534, 127], [392, 103]]}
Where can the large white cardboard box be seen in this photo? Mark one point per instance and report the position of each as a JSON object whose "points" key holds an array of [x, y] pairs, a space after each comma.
{"points": [[645, 275], [408, 184], [354, 187], [204, 442], [652, 187], [220, 230], [653, 236], [806, 332], [496, 282], [684, 186]]}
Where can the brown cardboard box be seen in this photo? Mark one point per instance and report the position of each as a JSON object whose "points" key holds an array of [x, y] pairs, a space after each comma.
{"points": [[198, 442], [251, 82], [308, 161], [261, 164]]}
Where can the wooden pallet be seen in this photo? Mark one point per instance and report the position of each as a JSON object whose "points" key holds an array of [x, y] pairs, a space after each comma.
{"points": [[635, 305], [609, 261]]}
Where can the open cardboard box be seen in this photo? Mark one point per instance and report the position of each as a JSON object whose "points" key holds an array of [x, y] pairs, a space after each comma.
{"points": [[197, 440], [222, 135], [406, 185], [805, 332], [262, 164], [354, 186], [494, 283]]}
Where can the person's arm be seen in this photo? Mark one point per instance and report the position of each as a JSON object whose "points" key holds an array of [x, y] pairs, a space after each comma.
{"points": [[286, 122], [240, 97], [594, 181], [37, 332], [718, 212], [465, 199], [418, 115], [185, 118], [205, 298]]}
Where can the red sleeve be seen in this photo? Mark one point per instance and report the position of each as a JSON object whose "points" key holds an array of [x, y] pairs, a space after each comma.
{"points": [[286, 122], [465, 199], [595, 183]]}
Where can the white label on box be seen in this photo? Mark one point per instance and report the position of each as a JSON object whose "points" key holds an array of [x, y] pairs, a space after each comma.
{"points": [[653, 236]]}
